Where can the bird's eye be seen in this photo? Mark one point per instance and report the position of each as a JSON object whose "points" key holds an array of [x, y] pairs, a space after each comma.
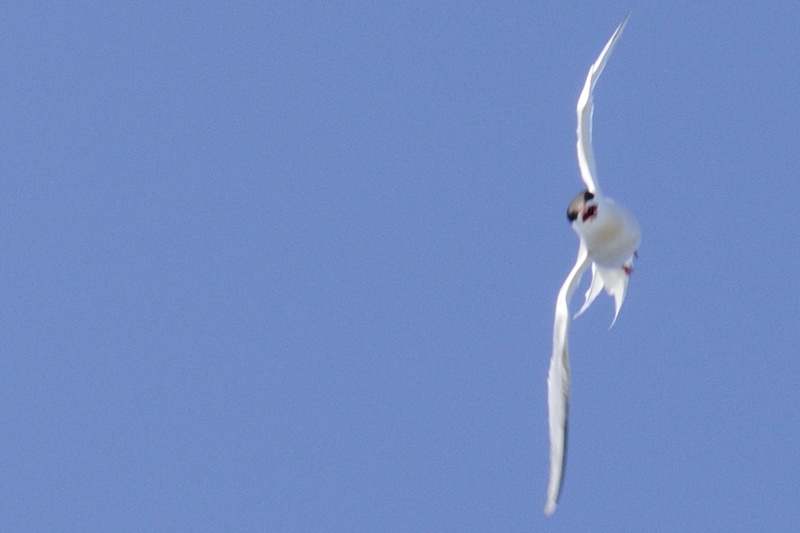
{"points": [[587, 196]]}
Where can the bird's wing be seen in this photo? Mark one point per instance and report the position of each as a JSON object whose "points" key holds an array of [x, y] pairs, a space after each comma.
{"points": [[585, 110], [558, 380]]}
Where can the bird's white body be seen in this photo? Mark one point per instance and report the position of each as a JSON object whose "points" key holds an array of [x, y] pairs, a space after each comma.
{"points": [[609, 236], [613, 235]]}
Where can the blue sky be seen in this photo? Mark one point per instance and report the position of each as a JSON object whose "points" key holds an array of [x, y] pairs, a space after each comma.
{"points": [[293, 267]]}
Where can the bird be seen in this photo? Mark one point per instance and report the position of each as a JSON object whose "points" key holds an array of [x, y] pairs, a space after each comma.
{"points": [[609, 237]]}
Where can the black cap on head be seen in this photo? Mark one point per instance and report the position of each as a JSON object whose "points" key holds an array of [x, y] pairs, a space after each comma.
{"points": [[576, 205]]}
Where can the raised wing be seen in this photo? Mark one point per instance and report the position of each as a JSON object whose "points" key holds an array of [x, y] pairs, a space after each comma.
{"points": [[585, 111], [558, 380]]}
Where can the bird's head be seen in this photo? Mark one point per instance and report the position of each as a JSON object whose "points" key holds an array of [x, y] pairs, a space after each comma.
{"points": [[583, 208]]}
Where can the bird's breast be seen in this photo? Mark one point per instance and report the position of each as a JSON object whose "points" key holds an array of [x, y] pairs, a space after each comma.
{"points": [[613, 236]]}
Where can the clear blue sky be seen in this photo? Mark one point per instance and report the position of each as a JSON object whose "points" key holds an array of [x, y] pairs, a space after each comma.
{"points": [[293, 268]]}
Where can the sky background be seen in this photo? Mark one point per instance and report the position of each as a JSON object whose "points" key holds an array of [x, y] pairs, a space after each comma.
{"points": [[292, 266]]}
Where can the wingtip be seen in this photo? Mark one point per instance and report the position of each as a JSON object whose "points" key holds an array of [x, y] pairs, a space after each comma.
{"points": [[624, 22], [550, 508]]}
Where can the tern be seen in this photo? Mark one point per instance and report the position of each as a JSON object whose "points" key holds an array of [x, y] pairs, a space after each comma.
{"points": [[609, 236]]}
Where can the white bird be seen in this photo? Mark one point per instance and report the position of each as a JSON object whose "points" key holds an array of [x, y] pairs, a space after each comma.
{"points": [[609, 236]]}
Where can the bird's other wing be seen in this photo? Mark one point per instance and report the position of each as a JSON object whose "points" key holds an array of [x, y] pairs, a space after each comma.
{"points": [[558, 381], [585, 111]]}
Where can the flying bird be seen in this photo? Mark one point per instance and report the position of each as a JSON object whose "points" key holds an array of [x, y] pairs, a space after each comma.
{"points": [[609, 236]]}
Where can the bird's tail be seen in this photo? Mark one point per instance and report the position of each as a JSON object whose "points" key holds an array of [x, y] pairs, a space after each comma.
{"points": [[615, 283]]}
